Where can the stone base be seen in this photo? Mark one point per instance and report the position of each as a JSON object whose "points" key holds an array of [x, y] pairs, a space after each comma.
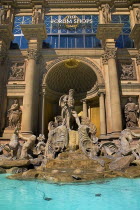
{"points": [[73, 140]]}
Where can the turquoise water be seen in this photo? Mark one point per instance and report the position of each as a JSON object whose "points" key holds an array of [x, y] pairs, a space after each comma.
{"points": [[112, 194]]}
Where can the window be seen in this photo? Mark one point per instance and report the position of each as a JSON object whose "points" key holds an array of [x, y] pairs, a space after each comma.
{"points": [[81, 35], [18, 35], [124, 40]]}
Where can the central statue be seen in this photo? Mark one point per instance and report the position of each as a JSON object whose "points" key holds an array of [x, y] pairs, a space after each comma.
{"points": [[66, 103]]}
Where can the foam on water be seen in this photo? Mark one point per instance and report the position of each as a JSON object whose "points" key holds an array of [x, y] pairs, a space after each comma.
{"points": [[110, 194]]}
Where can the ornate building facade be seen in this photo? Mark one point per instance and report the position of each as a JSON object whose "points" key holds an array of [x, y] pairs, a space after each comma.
{"points": [[48, 47]]}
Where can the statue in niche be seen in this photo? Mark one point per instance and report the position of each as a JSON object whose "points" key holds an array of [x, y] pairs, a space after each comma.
{"points": [[67, 109], [131, 113], [17, 72], [127, 71], [14, 115], [106, 13], [3, 15], [138, 15], [36, 18]]}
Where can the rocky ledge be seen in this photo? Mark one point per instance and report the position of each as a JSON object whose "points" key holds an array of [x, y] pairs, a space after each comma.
{"points": [[72, 167]]}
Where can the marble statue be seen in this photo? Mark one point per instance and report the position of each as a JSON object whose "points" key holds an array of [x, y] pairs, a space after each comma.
{"points": [[27, 146], [131, 113], [88, 142], [125, 140], [106, 13], [57, 140], [36, 18], [14, 144], [138, 15], [13, 147], [66, 103], [14, 114], [3, 14], [40, 147]]}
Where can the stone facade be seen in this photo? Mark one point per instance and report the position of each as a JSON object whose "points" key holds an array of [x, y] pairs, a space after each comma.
{"points": [[103, 77]]}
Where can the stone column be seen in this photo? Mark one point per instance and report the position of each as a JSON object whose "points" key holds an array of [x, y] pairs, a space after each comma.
{"points": [[35, 33], [107, 98], [102, 114], [29, 96], [114, 91], [85, 109], [108, 33], [43, 113]]}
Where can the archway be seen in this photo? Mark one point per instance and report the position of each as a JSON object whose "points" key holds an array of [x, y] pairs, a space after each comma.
{"points": [[76, 73]]}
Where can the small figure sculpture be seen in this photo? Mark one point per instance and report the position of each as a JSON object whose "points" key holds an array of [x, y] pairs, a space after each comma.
{"points": [[14, 144], [3, 14], [138, 15], [67, 105], [107, 13], [131, 112], [14, 147], [14, 114], [36, 16], [27, 146], [40, 147]]}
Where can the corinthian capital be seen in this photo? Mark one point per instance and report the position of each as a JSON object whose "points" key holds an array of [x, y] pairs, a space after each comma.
{"points": [[109, 53], [32, 54]]}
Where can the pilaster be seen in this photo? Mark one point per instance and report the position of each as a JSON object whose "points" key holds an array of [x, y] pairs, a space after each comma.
{"points": [[6, 37]]}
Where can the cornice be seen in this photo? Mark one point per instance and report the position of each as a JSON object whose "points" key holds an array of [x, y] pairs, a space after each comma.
{"points": [[67, 3], [16, 86], [130, 87]]}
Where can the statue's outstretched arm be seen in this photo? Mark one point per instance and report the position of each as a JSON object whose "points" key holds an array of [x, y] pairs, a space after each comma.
{"points": [[23, 137]]}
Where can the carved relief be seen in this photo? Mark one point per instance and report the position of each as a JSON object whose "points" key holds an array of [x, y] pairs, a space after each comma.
{"points": [[17, 71], [14, 114], [128, 71]]}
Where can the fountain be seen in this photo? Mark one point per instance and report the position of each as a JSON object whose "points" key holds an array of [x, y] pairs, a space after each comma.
{"points": [[69, 154]]}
